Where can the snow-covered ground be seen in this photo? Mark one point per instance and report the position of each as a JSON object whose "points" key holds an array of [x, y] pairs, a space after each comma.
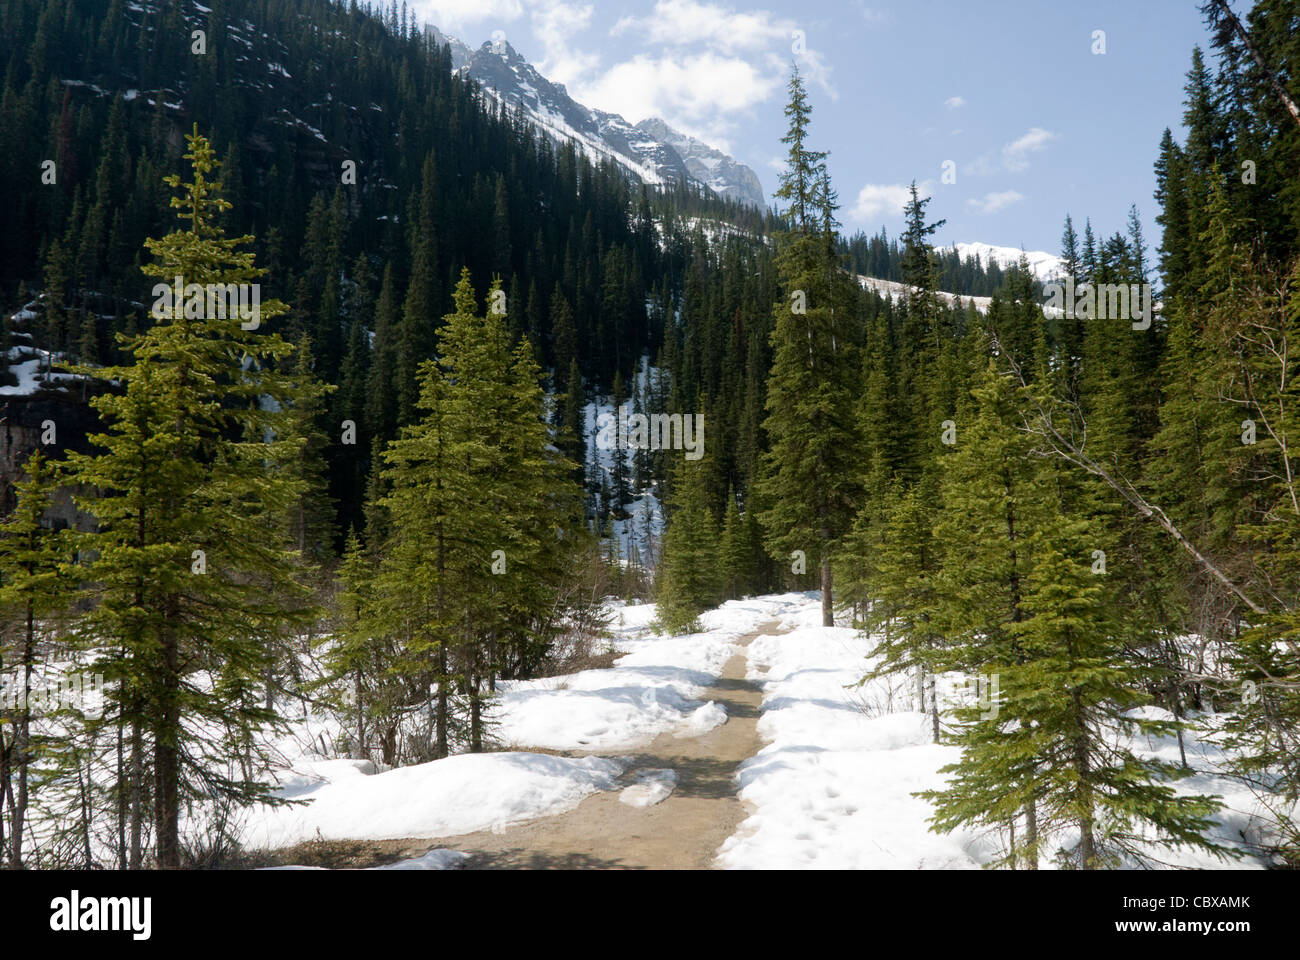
{"points": [[461, 794], [832, 787], [652, 689]]}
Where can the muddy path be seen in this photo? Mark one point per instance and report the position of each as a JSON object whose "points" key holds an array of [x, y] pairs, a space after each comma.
{"points": [[682, 832]]}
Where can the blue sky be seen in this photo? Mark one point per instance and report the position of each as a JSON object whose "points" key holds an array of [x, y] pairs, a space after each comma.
{"points": [[1034, 123]]}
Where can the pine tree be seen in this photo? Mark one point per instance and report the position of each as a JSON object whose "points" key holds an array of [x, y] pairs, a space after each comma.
{"points": [[193, 572], [809, 477], [475, 498], [381, 406], [689, 575], [734, 551], [1055, 740], [34, 588]]}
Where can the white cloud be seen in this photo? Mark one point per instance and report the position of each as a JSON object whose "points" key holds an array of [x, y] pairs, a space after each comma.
{"points": [[682, 24], [955, 103], [454, 16], [1015, 153], [695, 90], [994, 202], [685, 22], [882, 201], [554, 23]]}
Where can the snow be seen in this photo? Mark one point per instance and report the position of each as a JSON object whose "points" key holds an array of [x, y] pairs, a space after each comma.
{"points": [[553, 124], [892, 288], [1044, 266], [456, 795], [433, 860], [831, 789], [29, 378], [653, 689], [652, 786]]}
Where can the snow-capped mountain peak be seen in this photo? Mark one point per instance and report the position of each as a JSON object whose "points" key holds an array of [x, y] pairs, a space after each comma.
{"points": [[651, 150], [1045, 266]]}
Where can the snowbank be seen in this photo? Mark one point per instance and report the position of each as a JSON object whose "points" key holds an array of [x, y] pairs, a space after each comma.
{"points": [[832, 787], [653, 689], [462, 794]]}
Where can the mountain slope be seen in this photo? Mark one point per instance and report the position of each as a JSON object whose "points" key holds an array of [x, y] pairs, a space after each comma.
{"points": [[651, 150], [1045, 266], [708, 165]]}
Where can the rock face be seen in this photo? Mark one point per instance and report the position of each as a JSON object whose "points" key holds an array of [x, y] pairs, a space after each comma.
{"points": [[651, 150], [708, 165]]}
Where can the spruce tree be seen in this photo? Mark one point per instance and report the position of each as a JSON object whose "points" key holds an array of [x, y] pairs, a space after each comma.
{"points": [[1065, 704], [690, 575], [809, 481], [191, 486], [35, 581]]}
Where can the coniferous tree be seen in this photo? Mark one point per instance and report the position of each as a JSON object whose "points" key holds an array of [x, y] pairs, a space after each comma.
{"points": [[808, 476], [690, 576], [34, 588], [193, 572]]}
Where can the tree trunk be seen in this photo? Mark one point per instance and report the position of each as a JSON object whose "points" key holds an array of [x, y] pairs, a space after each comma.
{"points": [[361, 721], [22, 742], [934, 704], [1222, 9], [166, 799], [475, 715], [122, 792], [1031, 836], [440, 722], [4, 789], [828, 604], [1087, 849], [137, 793]]}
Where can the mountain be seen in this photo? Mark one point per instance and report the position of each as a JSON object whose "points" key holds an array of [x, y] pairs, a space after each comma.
{"points": [[1045, 266], [708, 165], [651, 150]]}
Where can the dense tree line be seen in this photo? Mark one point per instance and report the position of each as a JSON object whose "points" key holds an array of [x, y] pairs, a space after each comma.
{"points": [[879, 256]]}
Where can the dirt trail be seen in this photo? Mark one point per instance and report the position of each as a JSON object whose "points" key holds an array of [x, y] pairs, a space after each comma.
{"points": [[682, 832]]}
